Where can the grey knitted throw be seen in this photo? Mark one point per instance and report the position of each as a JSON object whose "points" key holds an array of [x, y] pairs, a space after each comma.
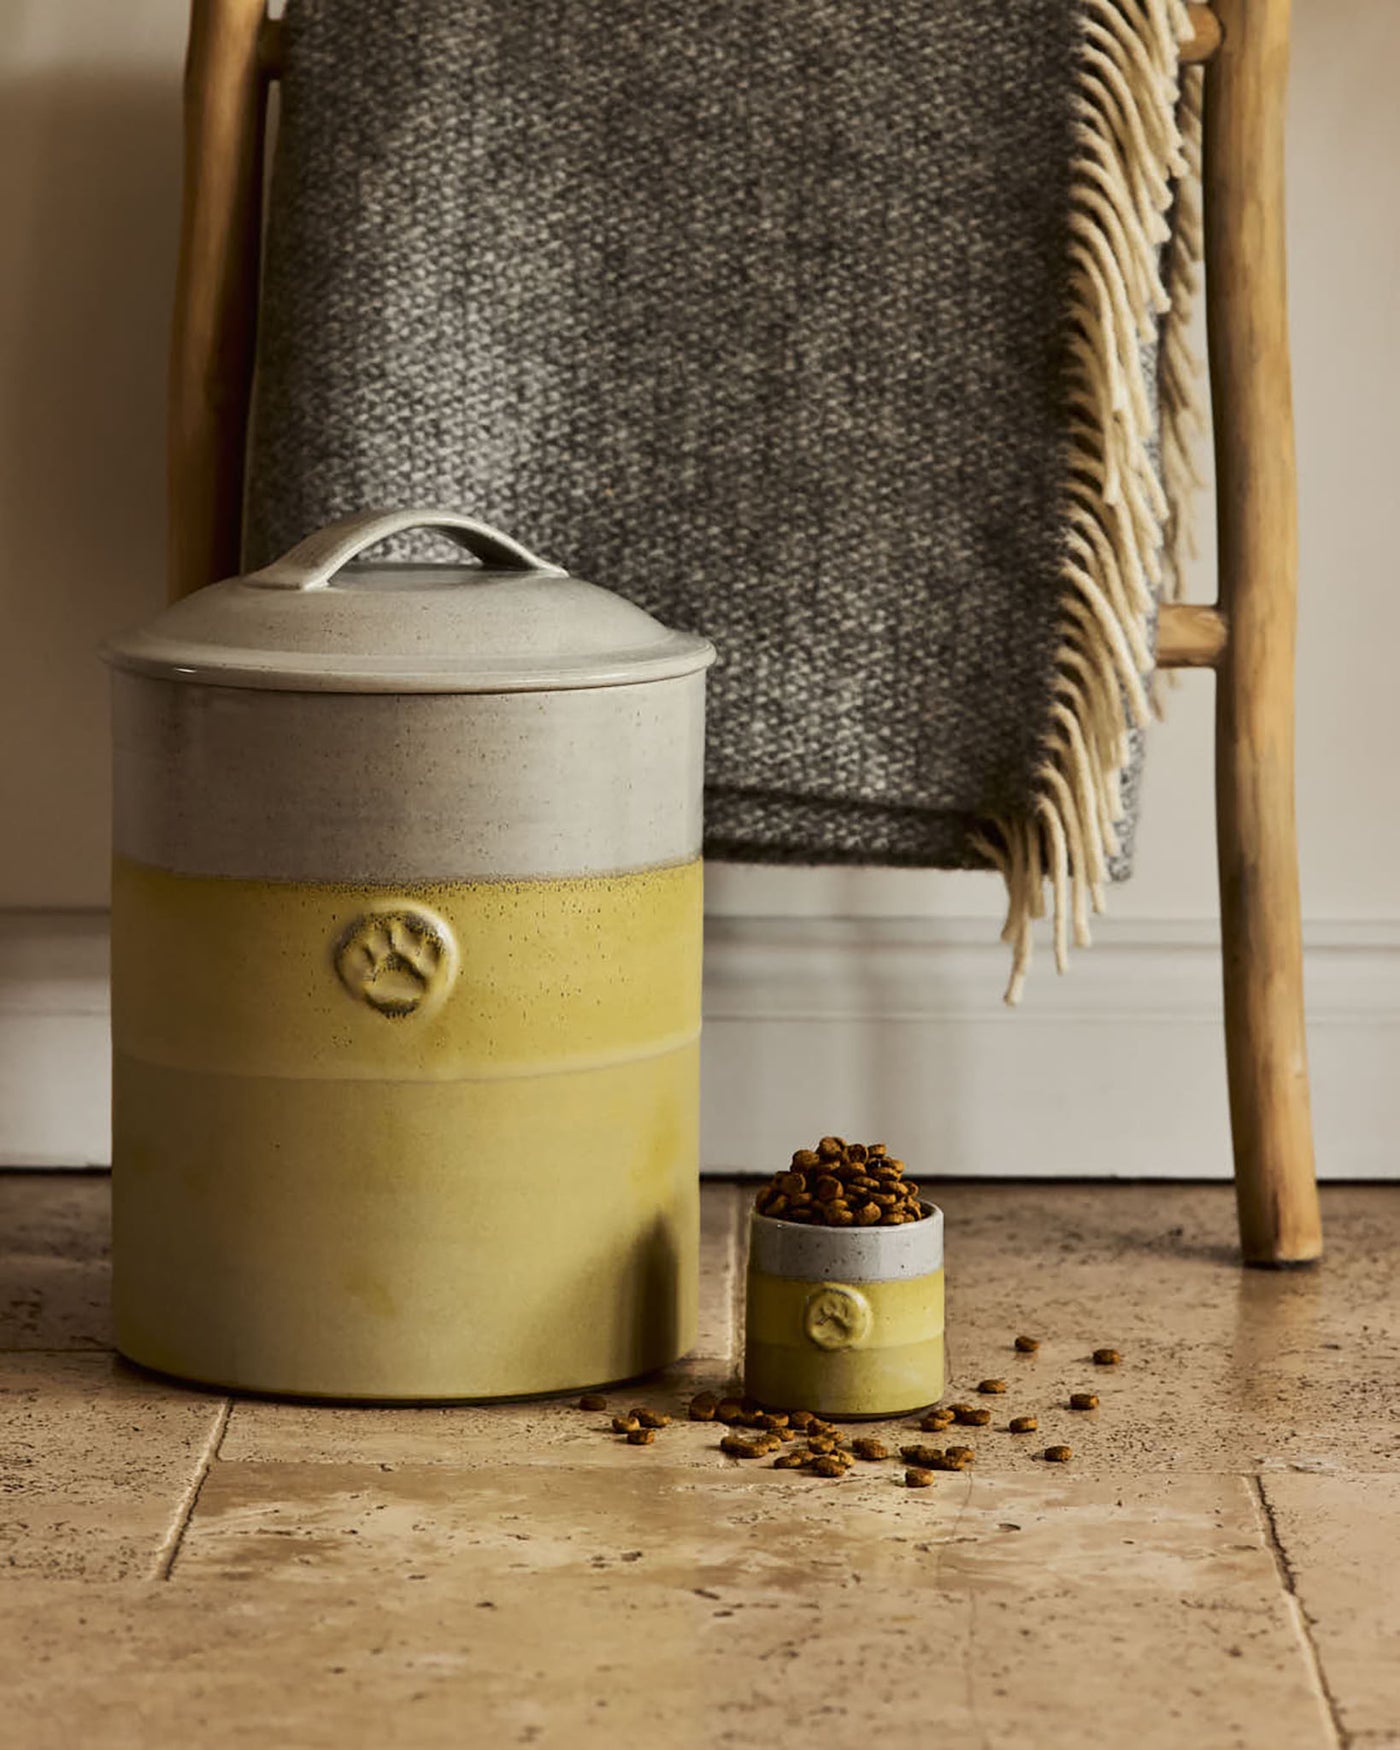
{"points": [[828, 328]]}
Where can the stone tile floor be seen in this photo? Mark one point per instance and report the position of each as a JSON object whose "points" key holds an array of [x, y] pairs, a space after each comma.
{"points": [[1220, 1564]]}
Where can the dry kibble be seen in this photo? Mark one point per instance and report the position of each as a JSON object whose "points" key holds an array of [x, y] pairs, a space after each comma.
{"points": [[828, 1465], [1058, 1454], [737, 1447], [936, 1421], [640, 1436], [651, 1418], [703, 1406], [790, 1461], [991, 1387], [1106, 1358], [966, 1417], [592, 1401], [800, 1418], [869, 1448], [772, 1419], [841, 1184], [926, 1456], [1028, 1345], [728, 1410], [821, 1443], [917, 1478], [961, 1455], [1084, 1400], [625, 1424], [958, 1411], [1023, 1424]]}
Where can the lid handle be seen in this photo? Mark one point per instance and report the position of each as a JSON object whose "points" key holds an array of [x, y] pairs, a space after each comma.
{"points": [[312, 563]]}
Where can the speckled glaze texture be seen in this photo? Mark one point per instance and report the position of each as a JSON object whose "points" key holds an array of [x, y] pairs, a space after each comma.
{"points": [[406, 938], [407, 787], [856, 1254], [845, 1321]]}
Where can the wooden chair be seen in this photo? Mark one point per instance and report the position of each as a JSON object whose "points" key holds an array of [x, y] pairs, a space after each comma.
{"points": [[1247, 637]]}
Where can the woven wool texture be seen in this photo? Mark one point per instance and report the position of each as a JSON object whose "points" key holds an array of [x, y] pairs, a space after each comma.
{"points": [[756, 311]]}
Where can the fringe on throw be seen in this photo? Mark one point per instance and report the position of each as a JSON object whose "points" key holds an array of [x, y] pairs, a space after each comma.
{"points": [[1135, 238]]}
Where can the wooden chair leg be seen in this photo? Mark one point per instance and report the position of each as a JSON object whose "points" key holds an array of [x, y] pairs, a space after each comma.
{"points": [[216, 289], [1257, 511]]}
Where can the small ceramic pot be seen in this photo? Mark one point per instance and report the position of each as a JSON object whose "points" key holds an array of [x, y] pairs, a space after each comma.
{"points": [[845, 1321]]}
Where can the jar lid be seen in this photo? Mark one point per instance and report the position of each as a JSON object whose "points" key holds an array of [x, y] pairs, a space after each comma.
{"points": [[315, 621]]}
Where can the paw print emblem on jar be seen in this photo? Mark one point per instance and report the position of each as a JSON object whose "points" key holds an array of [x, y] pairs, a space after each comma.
{"points": [[399, 961], [837, 1317]]}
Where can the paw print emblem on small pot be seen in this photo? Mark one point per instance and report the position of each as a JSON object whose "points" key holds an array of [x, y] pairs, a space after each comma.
{"points": [[837, 1317], [399, 960]]}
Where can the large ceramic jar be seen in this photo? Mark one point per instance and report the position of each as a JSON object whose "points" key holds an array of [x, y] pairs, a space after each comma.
{"points": [[406, 933]]}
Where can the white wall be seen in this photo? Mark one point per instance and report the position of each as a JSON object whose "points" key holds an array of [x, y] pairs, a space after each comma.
{"points": [[89, 109]]}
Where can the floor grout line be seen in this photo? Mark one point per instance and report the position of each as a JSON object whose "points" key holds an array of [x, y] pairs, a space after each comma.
{"points": [[169, 1550], [1340, 1736]]}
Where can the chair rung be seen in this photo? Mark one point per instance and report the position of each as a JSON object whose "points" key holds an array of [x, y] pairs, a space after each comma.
{"points": [[1190, 636], [1205, 36]]}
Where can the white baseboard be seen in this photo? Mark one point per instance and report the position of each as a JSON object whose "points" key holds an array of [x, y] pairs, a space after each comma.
{"points": [[872, 1027], [55, 1074]]}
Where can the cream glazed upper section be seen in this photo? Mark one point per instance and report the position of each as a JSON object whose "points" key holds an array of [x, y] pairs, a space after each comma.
{"points": [[392, 724], [390, 788]]}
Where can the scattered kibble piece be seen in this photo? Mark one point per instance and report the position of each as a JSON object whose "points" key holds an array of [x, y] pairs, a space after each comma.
{"points": [[925, 1456], [828, 1465], [1023, 1424], [869, 1448], [822, 1443], [936, 1420], [841, 1184], [800, 1419], [703, 1406], [625, 1424], [991, 1387], [1106, 1358], [772, 1419], [1058, 1454], [640, 1436], [789, 1461], [728, 1410], [1028, 1345], [737, 1447], [592, 1401], [1084, 1400], [651, 1418], [967, 1417], [961, 1455], [916, 1477]]}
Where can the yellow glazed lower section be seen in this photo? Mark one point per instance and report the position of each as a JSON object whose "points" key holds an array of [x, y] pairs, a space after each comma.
{"points": [[487, 1188], [844, 1349]]}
